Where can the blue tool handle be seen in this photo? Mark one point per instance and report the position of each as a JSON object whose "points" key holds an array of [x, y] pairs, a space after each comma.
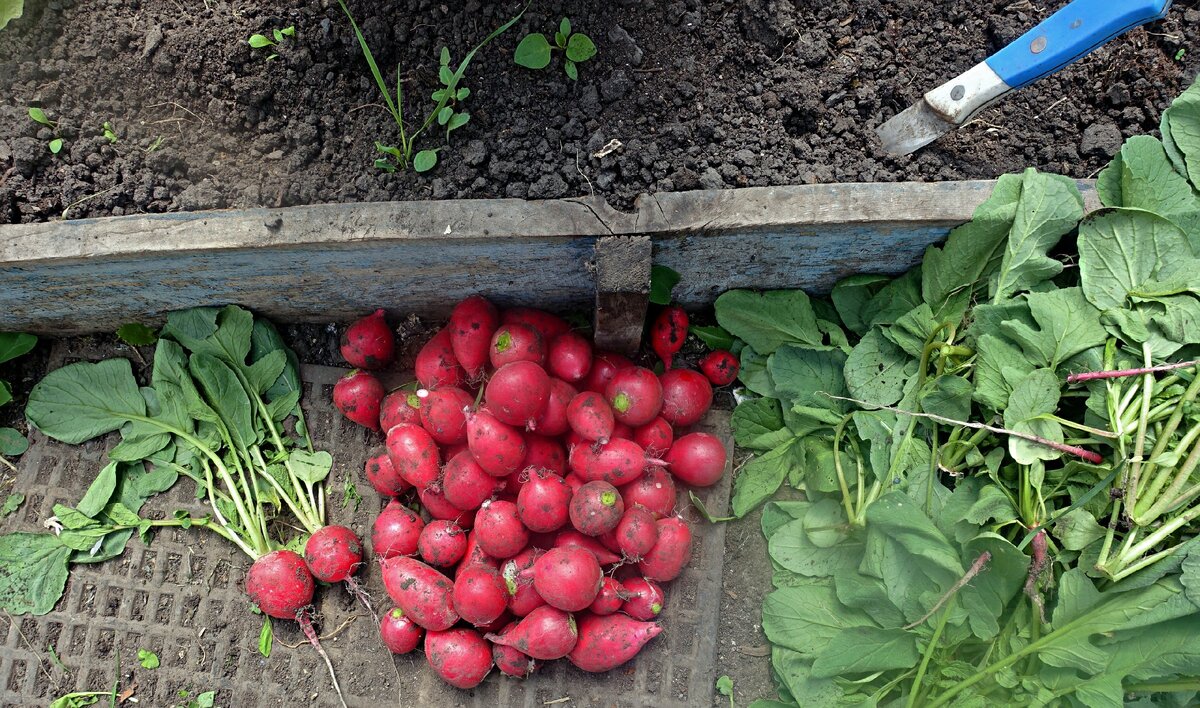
{"points": [[1070, 34]]}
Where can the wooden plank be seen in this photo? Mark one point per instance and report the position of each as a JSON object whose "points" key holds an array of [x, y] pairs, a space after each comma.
{"points": [[335, 261], [622, 291]]}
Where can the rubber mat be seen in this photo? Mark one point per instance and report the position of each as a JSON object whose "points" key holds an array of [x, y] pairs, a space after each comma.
{"points": [[181, 598]]}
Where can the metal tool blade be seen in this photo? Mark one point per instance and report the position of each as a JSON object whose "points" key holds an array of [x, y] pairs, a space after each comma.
{"points": [[912, 129]]}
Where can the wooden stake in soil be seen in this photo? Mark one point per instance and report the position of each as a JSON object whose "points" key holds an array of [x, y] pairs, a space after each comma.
{"points": [[622, 291]]}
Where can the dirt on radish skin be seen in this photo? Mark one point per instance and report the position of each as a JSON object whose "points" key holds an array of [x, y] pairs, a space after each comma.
{"points": [[590, 416], [618, 462], [280, 584], [358, 396], [517, 342], [637, 532], [396, 531], [644, 599], [435, 503], [543, 502], [671, 553], [414, 455], [655, 437], [461, 657], [546, 633], [480, 595], [517, 392], [686, 397], [720, 366], [570, 538], [552, 419], [654, 490], [400, 634], [568, 578], [545, 453], [421, 591], [472, 324], [609, 599], [697, 459], [368, 343], [443, 416], [606, 642], [596, 508], [436, 364], [511, 661], [499, 531], [466, 485], [333, 554], [442, 543], [668, 333], [399, 407], [383, 477], [635, 395], [570, 357], [498, 448], [548, 325]]}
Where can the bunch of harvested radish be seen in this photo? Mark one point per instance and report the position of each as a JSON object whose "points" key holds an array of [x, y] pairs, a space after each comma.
{"points": [[546, 471]]}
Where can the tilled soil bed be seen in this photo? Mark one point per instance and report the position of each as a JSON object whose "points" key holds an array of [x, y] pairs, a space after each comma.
{"points": [[700, 93]]}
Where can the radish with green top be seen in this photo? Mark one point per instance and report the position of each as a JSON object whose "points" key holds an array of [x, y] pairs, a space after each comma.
{"points": [[644, 599], [497, 447], [591, 417], [605, 365], [517, 392], [635, 395], [400, 406], [596, 508], [442, 543], [548, 325], [547, 633], [654, 490], [543, 502], [396, 531], [400, 634], [509, 660], [697, 459], [686, 397], [480, 595], [499, 531], [721, 367], [609, 599], [443, 413], [516, 342], [368, 343], [671, 552]]}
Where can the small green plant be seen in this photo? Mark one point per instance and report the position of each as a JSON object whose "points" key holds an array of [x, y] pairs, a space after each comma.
{"points": [[10, 10], [350, 495], [1180, 54], [202, 700], [148, 659], [447, 100], [534, 52], [11, 504], [109, 134], [266, 637], [39, 116], [725, 688], [137, 334], [158, 142], [261, 41], [12, 345]]}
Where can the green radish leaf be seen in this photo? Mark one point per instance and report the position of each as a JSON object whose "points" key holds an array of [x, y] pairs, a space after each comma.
{"points": [[877, 370], [572, 71], [11, 503], [714, 337], [33, 572], [1142, 176], [39, 116], [865, 650], [265, 638], [1067, 324], [288, 31], [758, 424], [761, 477], [1181, 133], [99, 492], [462, 93], [14, 344], [444, 57], [791, 548], [84, 400], [752, 371], [136, 334], [1050, 207], [262, 374], [5, 392], [948, 396], [533, 52], [443, 115], [224, 393], [662, 281], [795, 675], [277, 34], [10, 10], [56, 146], [425, 160], [1122, 249], [1078, 529], [445, 75], [851, 296], [767, 320], [264, 339], [580, 48], [564, 27], [12, 442], [806, 619], [258, 41], [311, 467], [560, 40]]}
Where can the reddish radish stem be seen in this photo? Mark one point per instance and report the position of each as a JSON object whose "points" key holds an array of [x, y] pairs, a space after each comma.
{"points": [[1086, 376], [1036, 569], [354, 588], [974, 570], [311, 634], [1087, 455]]}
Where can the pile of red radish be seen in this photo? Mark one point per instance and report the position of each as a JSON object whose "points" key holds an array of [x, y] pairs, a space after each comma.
{"points": [[547, 472]]}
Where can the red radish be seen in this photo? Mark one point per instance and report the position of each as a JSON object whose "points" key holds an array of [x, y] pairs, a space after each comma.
{"points": [[443, 416], [383, 477], [414, 455], [569, 357], [475, 555], [442, 543], [509, 660], [518, 576], [571, 538], [396, 532], [645, 599], [548, 325], [499, 531], [621, 431], [465, 484], [472, 324], [590, 417], [637, 532], [517, 392], [505, 619], [547, 633], [545, 453], [596, 508], [610, 598], [398, 407], [567, 578], [461, 657], [720, 366], [368, 343], [517, 342], [609, 540], [606, 642], [604, 366], [635, 395], [543, 502], [423, 593], [333, 554], [439, 508], [498, 448], [666, 560], [617, 462], [480, 595], [573, 481], [686, 397], [654, 490], [400, 634], [655, 436], [668, 333], [449, 451], [552, 419], [697, 459], [436, 364], [358, 395], [280, 584]]}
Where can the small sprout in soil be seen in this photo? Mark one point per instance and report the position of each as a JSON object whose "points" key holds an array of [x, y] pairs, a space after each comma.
{"points": [[202, 700], [1180, 54], [535, 50], [259, 41], [148, 659], [78, 699], [266, 637], [11, 504], [350, 495], [110, 134], [39, 116], [725, 688]]}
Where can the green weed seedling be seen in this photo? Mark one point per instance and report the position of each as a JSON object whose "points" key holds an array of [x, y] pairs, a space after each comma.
{"points": [[109, 134], [39, 116], [261, 41], [535, 51]]}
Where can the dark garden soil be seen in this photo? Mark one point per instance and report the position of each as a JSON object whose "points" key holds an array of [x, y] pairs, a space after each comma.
{"points": [[700, 93]]}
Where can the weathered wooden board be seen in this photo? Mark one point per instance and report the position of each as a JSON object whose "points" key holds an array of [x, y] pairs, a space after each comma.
{"points": [[336, 261]]}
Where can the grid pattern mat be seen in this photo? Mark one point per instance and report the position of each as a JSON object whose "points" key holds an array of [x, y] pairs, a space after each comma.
{"points": [[181, 598]]}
